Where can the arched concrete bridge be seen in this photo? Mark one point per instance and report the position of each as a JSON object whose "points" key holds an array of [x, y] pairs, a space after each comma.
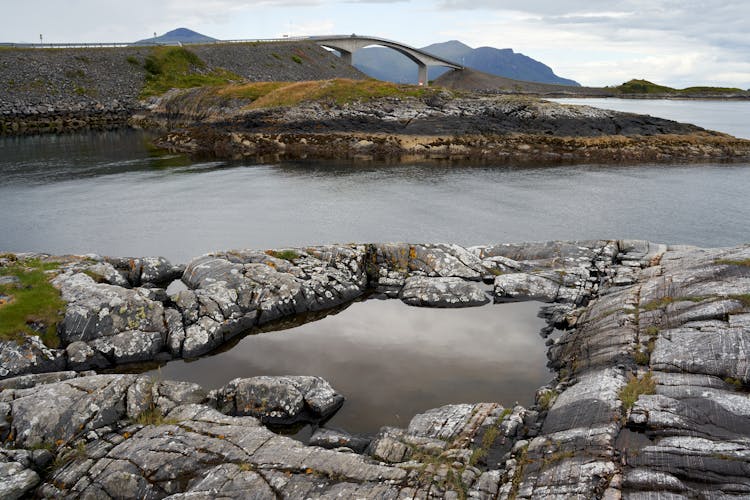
{"points": [[347, 45]]}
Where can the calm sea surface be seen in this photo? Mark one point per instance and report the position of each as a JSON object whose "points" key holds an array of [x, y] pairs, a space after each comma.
{"points": [[109, 193]]}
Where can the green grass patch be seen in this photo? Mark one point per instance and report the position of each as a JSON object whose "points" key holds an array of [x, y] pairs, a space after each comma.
{"points": [[744, 299], [339, 91], [133, 60], [289, 255], [297, 59], [730, 262], [177, 67], [635, 388], [34, 302]]}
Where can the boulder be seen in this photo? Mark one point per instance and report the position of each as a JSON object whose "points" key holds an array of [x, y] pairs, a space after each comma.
{"points": [[281, 400]]}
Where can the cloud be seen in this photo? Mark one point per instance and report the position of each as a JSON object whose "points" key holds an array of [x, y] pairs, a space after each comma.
{"points": [[673, 41]]}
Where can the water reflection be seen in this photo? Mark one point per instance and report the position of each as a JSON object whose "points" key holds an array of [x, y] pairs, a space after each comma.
{"points": [[392, 361]]}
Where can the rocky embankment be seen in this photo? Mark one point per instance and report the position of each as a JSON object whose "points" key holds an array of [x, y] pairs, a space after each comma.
{"points": [[438, 124], [650, 397], [54, 90]]}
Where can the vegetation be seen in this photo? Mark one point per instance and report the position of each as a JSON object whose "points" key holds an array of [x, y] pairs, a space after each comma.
{"points": [[645, 87], [154, 416], [289, 255], [339, 91], [297, 59], [635, 388], [546, 399], [744, 299], [177, 67], [133, 60], [730, 262], [35, 307]]}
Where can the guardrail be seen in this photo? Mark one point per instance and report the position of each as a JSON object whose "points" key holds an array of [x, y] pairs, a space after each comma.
{"points": [[147, 44]]}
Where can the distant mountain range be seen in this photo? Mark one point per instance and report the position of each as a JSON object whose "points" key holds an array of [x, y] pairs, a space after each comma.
{"points": [[389, 65], [182, 35]]}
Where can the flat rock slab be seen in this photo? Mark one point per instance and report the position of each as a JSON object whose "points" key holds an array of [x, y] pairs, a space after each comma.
{"points": [[442, 292]]}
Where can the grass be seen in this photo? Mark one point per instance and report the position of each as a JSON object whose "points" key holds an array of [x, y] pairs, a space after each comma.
{"points": [[744, 299], [730, 262], [645, 87], [642, 357], [34, 302], [339, 91], [635, 388], [154, 416], [546, 399], [297, 59], [177, 67], [289, 255]]}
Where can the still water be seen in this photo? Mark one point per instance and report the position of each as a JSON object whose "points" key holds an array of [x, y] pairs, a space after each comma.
{"points": [[110, 194], [729, 117], [392, 361]]}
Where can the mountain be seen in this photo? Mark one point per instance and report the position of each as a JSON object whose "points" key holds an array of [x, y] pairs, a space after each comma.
{"points": [[182, 35], [389, 65]]}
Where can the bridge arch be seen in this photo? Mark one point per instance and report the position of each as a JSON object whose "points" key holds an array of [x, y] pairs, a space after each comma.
{"points": [[347, 45]]}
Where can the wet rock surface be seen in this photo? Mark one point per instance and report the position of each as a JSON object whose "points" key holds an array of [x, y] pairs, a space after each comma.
{"points": [[650, 400]]}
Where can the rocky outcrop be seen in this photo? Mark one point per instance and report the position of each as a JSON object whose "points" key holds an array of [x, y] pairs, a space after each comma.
{"points": [[650, 397], [436, 125]]}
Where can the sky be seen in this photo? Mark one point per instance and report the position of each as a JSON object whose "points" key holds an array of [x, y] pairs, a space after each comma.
{"points": [[672, 42]]}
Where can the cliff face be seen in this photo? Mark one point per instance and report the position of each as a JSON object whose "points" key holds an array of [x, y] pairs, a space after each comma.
{"points": [[55, 89]]}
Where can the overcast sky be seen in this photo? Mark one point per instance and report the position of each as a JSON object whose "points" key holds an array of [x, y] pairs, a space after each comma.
{"points": [[673, 42]]}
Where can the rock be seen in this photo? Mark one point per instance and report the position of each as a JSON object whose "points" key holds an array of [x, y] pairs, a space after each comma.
{"points": [[81, 356], [9, 280], [442, 292], [16, 481], [152, 271], [279, 400], [129, 346], [333, 439], [523, 286], [31, 356], [100, 310]]}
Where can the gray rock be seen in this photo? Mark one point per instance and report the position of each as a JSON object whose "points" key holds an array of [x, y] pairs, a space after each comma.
{"points": [[82, 356], [100, 310], [129, 346], [333, 439], [279, 400], [31, 356], [16, 481], [442, 292], [523, 286], [9, 280]]}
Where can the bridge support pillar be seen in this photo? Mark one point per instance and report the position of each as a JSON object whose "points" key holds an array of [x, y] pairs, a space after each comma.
{"points": [[423, 75], [346, 56]]}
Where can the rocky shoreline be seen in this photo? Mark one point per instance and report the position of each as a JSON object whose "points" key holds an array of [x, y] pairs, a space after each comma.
{"points": [[650, 397], [438, 125]]}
